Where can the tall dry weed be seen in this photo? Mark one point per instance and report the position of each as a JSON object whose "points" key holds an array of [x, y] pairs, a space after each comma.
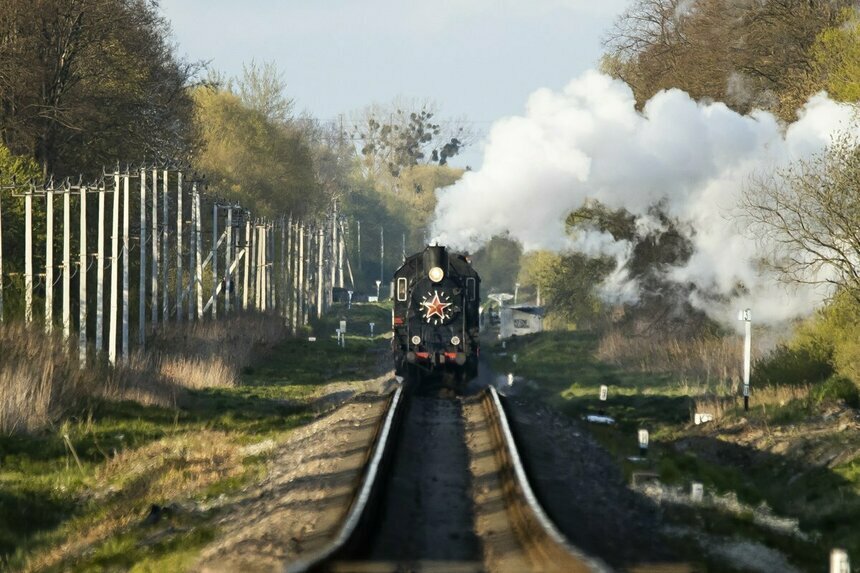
{"points": [[40, 380]]}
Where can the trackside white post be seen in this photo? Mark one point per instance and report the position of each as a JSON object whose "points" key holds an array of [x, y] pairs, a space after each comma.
{"points": [[141, 287], [839, 561], [82, 282], [100, 272], [114, 272], [746, 316], [28, 256], [49, 259]]}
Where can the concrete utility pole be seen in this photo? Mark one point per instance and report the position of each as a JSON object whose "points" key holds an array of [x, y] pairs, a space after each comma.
{"points": [[180, 276], [67, 264], [114, 271], [334, 243], [141, 296], [288, 276], [100, 272], [254, 264], [165, 214], [49, 259], [28, 255], [247, 275], [321, 240], [192, 254], [214, 260], [228, 262], [303, 270], [358, 243], [340, 247], [382, 254], [82, 282], [198, 278], [282, 272], [125, 262], [155, 250]]}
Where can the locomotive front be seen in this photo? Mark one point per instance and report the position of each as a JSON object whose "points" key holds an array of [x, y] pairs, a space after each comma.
{"points": [[436, 299]]}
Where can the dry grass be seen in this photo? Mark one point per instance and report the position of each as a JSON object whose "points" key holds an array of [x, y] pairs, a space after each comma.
{"points": [[718, 404], [702, 360], [40, 381]]}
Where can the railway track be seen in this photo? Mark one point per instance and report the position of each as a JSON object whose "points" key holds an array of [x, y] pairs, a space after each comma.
{"points": [[444, 490]]}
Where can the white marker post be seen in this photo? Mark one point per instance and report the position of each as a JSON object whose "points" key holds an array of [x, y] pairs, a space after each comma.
{"points": [[349, 302], [746, 316], [604, 394], [372, 324], [643, 443], [697, 492], [839, 561], [378, 284], [510, 379]]}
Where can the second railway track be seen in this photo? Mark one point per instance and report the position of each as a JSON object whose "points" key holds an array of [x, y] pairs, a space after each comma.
{"points": [[444, 490]]}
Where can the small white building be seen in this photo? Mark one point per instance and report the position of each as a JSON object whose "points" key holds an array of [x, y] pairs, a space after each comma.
{"points": [[520, 320]]}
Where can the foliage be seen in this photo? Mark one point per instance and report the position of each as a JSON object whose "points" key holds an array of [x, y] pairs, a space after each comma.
{"points": [[404, 134], [836, 58], [747, 54], [809, 212], [90, 82], [264, 165], [497, 263]]}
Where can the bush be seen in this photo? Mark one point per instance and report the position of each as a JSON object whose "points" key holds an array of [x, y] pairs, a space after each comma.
{"points": [[836, 388], [793, 366]]}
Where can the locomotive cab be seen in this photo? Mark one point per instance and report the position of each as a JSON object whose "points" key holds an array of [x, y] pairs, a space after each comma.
{"points": [[435, 316]]}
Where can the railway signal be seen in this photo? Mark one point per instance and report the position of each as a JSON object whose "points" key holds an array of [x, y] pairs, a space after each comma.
{"points": [[746, 316]]}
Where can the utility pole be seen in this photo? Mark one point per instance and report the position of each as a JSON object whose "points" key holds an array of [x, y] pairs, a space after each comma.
{"points": [[282, 272], [141, 297], [228, 261], [288, 276], [165, 214], [67, 264], [246, 277], [192, 254], [214, 260], [382, 254], [155, 250], [49, 259], [125, 255], [340, 247], [180, 277], [198, 278], [300, 276], [28, 255], [358, 243], [114, 271], [82, 283], [320, 248], [100, 272], [403, 237]]}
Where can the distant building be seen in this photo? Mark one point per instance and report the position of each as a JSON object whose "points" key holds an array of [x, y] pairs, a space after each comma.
{"points": [[519, 320]]}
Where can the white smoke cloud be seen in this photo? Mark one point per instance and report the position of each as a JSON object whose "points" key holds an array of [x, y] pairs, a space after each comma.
{"points": [[589, 142]]}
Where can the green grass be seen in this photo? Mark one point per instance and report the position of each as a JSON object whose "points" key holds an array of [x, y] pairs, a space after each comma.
{"points": [[566, 375], [46, 500]]}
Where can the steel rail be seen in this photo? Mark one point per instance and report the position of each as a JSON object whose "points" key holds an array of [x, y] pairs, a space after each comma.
{"points": [[356, 511], [578, 559]]}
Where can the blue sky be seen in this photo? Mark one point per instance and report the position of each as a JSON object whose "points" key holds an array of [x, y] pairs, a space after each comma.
{"points": [[477, 59]]}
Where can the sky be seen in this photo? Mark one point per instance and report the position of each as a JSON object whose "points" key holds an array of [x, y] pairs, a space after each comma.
{"points": [[478, 60]]}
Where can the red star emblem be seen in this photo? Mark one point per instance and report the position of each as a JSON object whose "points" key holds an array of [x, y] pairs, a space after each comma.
{"points": [[435, 307]]}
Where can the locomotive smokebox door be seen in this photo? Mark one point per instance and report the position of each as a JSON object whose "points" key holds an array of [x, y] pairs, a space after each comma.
{"points": [[436, 263]]}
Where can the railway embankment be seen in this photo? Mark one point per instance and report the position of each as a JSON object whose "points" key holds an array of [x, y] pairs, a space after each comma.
{"points": [[119, 484], [780, 485]]}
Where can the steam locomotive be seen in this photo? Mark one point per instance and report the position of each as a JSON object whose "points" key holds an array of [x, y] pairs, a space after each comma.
{"points": [[435, 318]]}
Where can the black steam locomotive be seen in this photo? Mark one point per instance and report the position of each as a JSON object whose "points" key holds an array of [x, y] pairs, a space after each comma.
{"points": [[436, 298]]}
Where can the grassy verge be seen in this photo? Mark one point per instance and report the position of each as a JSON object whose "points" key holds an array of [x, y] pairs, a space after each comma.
{"points": [[128, 486], [780, 453]]}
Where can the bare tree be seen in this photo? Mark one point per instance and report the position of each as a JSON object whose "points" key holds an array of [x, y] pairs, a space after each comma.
{"points": [[807, 218]]}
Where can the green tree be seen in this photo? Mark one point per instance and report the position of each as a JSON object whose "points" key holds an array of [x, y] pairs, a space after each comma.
{"points": [[86, 83], [836, 57]]}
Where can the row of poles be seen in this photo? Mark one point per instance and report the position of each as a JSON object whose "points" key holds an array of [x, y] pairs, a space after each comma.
{"points": [[286, 265]]}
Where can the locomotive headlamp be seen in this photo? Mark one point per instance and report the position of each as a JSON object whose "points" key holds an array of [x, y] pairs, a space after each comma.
{"points": [[455, 340], [436, 274], [416, 340]]}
